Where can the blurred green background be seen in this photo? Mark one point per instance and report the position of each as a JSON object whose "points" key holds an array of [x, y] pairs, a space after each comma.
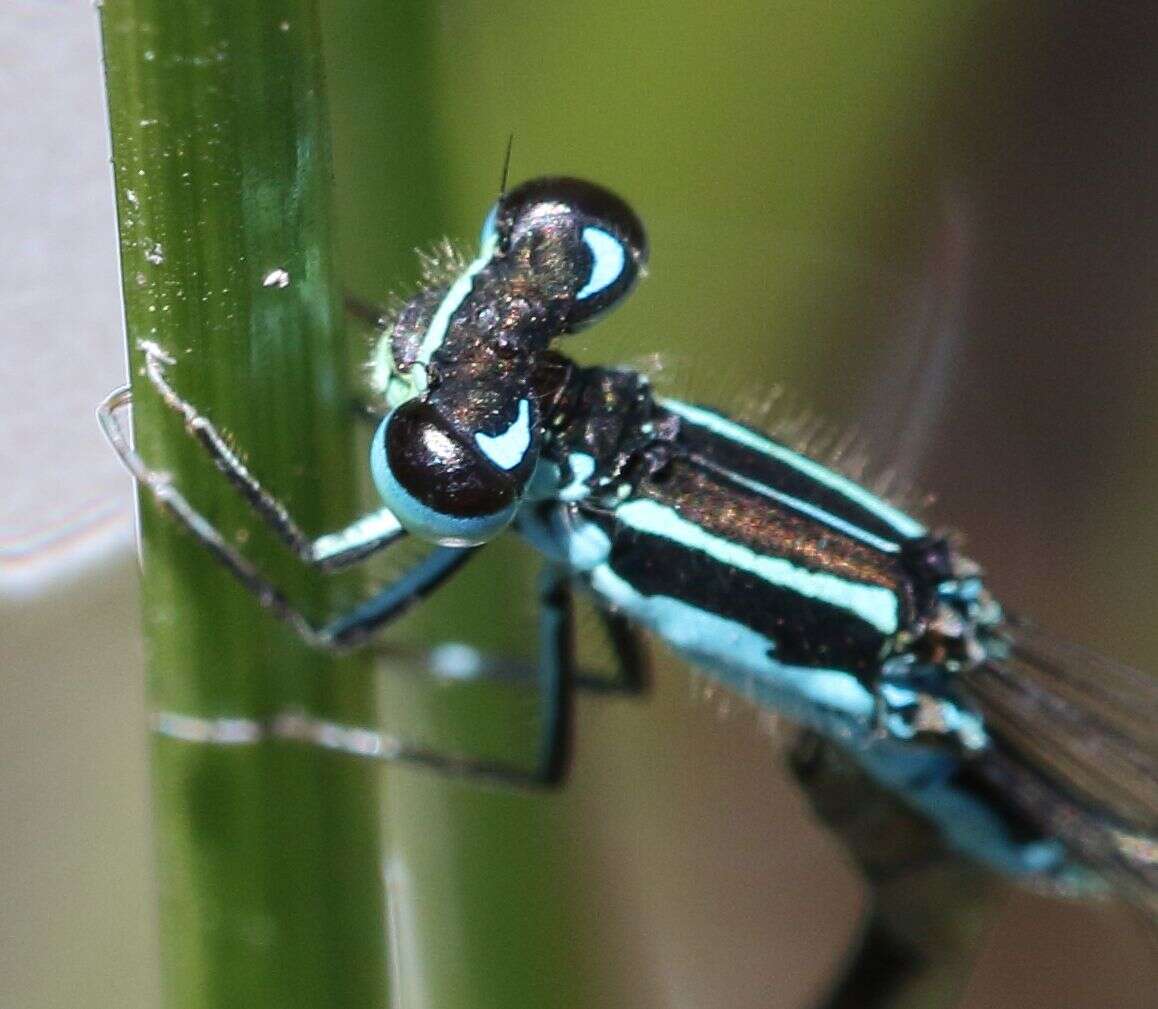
{"points": [[802, 169]]}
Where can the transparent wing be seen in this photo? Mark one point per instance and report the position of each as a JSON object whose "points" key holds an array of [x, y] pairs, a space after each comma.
{"points": [[911, 400], [1077, 750]]}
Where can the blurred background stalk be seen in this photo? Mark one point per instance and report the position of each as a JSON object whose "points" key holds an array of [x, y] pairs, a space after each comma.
{"points": [[268, 858]]}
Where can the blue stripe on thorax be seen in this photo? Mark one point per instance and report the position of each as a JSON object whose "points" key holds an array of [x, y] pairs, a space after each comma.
{"points": [[874, 604], [903, 525], [831, 700], [812, 511]]}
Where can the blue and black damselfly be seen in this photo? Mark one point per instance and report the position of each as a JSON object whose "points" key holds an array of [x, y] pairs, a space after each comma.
{"points": [[789, 583]]}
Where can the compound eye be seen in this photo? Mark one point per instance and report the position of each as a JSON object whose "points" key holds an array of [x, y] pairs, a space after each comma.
{"points": [[593, 234], [606, 269], [438, 487], [544, 202]]}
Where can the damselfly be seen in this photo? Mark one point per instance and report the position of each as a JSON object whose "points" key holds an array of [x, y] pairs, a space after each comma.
{"points": [[786, 581]]}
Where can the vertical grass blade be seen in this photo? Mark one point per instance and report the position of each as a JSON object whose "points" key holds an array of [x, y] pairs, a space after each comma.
{"points": [[268, 856]]}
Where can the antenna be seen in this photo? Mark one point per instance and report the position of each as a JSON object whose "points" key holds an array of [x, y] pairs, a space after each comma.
{"points": [[506, 166]]}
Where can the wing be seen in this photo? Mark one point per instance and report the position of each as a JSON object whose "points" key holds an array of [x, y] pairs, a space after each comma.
{"points": [[1076, 748]]}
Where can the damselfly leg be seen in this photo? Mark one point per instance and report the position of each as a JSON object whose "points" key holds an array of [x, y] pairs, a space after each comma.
{"points": [[331, 552], [555, 681], [334, 551], [328, 552]]}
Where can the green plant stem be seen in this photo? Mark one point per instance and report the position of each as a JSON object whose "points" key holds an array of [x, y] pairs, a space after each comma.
{"points": [[268, 856]]}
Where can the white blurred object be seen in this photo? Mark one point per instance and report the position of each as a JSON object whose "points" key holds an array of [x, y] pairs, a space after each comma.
{"points": [[64, 502], [78, 915]]}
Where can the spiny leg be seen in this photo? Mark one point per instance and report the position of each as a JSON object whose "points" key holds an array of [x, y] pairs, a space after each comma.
{"points": [[371, 314], [556, 676], [631, 672], [330, 552], [556, 682], [340, 634], [412, 586]]}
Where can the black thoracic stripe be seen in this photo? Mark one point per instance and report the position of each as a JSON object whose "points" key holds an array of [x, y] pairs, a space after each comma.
{"points": [[803, 631], [733, 513], [754, 465]]}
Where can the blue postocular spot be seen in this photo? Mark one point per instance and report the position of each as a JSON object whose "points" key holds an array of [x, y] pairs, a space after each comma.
{"points": [[607, 261], [507, 449]]}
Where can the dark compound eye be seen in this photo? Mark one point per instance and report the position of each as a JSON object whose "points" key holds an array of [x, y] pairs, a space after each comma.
{"points": [[439, 487], [593, 234], [585, 202]]}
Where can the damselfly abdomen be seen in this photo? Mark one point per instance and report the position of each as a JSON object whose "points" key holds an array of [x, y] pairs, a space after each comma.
{"points": [[791, 584]]}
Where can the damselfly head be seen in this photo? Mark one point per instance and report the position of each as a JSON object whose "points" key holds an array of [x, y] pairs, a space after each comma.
{"points": [[554, 255], [460, 365]]}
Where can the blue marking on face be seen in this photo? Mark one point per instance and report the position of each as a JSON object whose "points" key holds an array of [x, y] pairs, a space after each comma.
{"points": [[422, 520], [507, 449], [607, 261]]}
